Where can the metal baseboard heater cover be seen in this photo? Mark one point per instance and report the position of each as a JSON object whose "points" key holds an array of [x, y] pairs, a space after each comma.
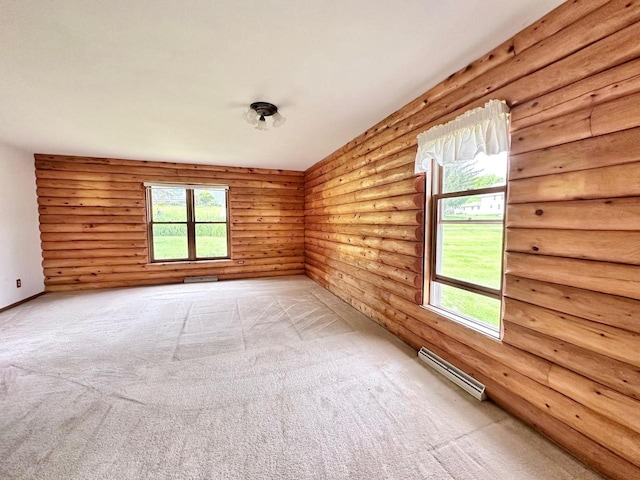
{"points": [[469, 384], [210, 278]]}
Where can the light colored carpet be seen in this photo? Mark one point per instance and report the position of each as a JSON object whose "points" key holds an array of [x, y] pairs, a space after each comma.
{"points": [[252, 379]]}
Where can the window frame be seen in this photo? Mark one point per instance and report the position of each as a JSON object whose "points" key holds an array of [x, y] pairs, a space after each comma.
{"points": [[432, 279], [190, 222]]}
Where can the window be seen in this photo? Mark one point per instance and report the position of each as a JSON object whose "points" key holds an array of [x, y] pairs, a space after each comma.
{"points": [[187, 222], [467, 158], [467, 230]]}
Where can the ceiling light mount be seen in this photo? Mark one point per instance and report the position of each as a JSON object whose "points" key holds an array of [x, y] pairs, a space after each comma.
{"points": [[264, 109], [257, 113]]}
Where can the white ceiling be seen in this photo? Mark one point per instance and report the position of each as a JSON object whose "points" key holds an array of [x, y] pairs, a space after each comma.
{"points": [[170, 79]]}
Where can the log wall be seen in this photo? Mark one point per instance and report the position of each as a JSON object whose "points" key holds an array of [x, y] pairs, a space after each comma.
{"points": [[93, 222], [569, 361]]}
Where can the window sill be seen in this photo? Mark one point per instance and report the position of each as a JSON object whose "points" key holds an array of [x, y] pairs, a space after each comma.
{"points": [[487, 331]]}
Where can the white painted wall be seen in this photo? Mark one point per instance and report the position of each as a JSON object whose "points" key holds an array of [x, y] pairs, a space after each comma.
{"points": [[20, 252]]}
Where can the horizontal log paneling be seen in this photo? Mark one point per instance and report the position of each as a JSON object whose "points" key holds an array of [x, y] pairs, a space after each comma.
{"points": [[90, 202], [585, 449], [405, 262], [403, 202], [284, 195], [44, 194], [73, 171], [248, 204], [92, 236], [267, 240], [251, 251], [611, 342], [616, 115], [93, 245], [614, 246], [613, 278], [175, 275], [620, 114], [91, 219], [612, 404], [397, 274], [252, 220], [103, 252], [340, 176], [92, 227], [568, 361], [249, 195], [600, 214], [84, 185], [143, 265], [268, 227], [615, 148], [254, 234], [127, 179], [611, 310], [387, 244], [73, 262], [617, 82], [94, 233], [390, 176], [412, 217], [399, 232], [565, 14], [612, 181], [395, 189], [159, 267], [265, 212], [160, 281], [618, 375], [118, 162], [568, 128], [87, 210], [320, 261]]}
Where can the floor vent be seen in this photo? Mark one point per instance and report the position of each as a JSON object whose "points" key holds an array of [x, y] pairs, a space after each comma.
{"points": [[210, 278], [469, 384]]}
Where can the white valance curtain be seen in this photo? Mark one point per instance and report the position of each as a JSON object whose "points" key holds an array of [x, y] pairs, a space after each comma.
{"points": [[484, 129]]}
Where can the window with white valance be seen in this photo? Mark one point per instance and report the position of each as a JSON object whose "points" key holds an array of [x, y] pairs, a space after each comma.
{"points": [[467, 161], [481, 130]]}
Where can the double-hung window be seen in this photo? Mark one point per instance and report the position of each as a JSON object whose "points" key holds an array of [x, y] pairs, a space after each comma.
{"points": [[187, 222], [467, 231], [467, 162]]}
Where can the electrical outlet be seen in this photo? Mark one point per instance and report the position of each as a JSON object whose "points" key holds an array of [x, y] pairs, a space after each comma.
{"points": [[18, 283]]}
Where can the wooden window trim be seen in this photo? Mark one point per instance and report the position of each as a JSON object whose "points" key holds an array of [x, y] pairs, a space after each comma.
{"points": [[190, 223]]}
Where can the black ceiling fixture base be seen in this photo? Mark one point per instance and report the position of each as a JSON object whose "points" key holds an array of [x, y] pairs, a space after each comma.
{"points": [[264, 109]]}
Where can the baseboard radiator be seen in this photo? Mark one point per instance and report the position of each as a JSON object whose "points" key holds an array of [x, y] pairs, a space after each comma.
{"points": [[210, 278], [469, 384]]}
